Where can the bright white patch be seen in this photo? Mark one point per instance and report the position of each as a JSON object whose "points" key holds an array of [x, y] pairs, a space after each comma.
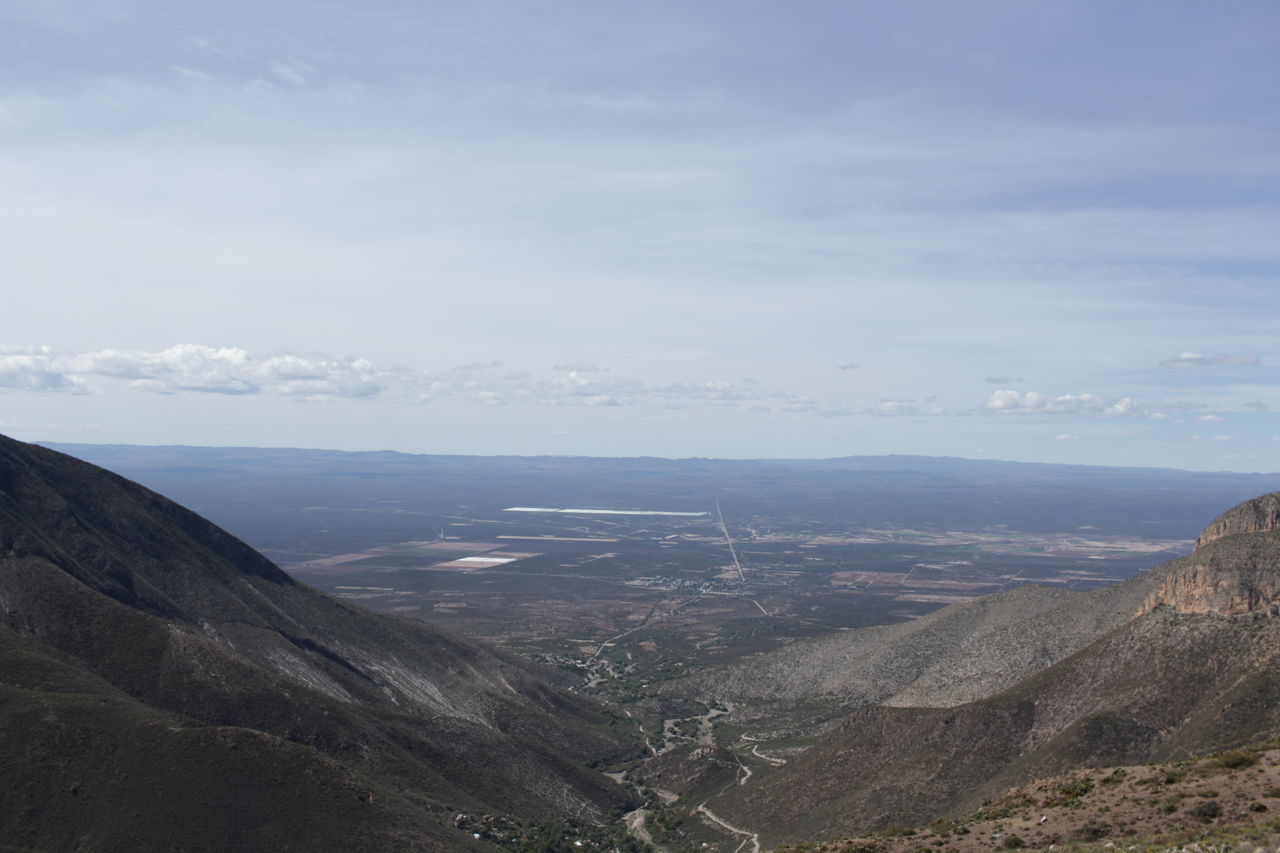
{"points": [[580, 511]]}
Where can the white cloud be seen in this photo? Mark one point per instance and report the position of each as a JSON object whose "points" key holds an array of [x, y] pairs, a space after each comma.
{"points": [[1195, 359], [182, 367], [1009, 401], [197, 368], [1066, 436], [340, 376], [33, 370], [1002, 380], [1210, 419]]}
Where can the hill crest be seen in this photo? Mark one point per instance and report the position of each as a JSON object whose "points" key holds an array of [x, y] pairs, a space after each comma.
{"points": [[1232, 569]]}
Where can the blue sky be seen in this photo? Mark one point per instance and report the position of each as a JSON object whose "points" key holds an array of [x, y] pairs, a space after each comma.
{"points": [[1022, 230]]}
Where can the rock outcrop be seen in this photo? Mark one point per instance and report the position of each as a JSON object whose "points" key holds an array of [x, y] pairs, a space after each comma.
{"points": [[1258, 515], [1232, 570]]}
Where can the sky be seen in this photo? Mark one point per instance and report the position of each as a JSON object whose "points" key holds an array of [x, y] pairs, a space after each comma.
{"points": [[1029, 230]]}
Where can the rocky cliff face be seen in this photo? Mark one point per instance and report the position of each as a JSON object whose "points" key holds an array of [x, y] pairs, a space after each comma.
{"points": [[1232, 569], [1253, 516]]}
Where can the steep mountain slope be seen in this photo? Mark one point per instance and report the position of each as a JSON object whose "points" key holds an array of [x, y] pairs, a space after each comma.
{"points": [[160, 680], [1194, 667], [957, 654]]}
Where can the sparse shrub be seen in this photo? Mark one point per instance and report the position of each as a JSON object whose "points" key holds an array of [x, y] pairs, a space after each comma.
{"points": [[942, 827], [1274, 792], [1169, 806], [1116, 776], [1172, 777], [1235, 759], [1258, 807], [1073, 790], [1092, 831], [1206, 812], [1069, 794], [896, 832], [1013, 842]]}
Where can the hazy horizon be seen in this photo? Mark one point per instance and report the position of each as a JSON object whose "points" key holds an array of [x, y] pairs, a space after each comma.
{"points": [[937, 457]]}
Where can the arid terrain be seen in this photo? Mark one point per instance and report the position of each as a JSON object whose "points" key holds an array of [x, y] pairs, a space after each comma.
{"points": [[642, 598], [792, 653], [1141, 807]]}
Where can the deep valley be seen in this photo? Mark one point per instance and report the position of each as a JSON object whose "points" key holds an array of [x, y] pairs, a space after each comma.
{"points": [[634, 652]]}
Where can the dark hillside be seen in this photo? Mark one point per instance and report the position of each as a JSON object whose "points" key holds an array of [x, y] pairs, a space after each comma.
{"points": [[153, 661]]}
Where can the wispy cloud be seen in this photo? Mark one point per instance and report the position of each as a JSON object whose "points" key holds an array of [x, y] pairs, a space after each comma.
{"points": [[292, 71], [201, 369], [1002, 380], [1195, 359], [581, 367]]}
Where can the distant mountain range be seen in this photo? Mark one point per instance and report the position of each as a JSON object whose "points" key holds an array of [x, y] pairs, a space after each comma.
{"points": [[955, 708], [163, 686], [267, 496]]}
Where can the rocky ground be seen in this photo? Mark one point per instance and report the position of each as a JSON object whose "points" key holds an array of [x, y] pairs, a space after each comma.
{"points": [[1225, 802]]}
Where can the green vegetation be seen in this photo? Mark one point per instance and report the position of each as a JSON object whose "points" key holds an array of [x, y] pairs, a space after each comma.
{"points": [[1236, 759], [1071, 793], [1115, 777]]}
